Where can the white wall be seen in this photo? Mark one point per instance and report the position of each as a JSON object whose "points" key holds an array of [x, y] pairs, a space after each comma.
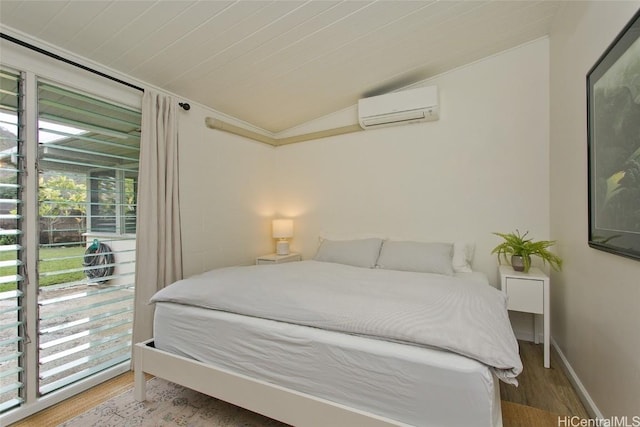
{"points": [[226, 195], [483, 167], [596, 319]]}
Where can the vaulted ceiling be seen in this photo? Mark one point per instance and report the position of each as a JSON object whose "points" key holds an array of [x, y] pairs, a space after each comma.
{"points": [[277, 64]]}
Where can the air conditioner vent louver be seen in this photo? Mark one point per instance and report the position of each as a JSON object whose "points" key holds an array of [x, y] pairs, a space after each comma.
{"points": [[414, 105]]}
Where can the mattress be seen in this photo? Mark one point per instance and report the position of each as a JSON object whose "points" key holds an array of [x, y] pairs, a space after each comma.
{"points": [[411, 384], [412, 308]]}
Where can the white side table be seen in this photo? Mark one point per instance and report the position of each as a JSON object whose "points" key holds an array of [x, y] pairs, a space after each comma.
{"points": [[529, 293], [278, 259]]}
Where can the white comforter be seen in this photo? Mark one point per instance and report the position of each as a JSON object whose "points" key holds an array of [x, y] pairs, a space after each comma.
{"points": [[451, 313]]}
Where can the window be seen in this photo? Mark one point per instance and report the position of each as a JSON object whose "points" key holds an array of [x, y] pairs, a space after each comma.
{"points": [[88, 150], [113, 202], [11, 264], [81, 134], [83, 193]]}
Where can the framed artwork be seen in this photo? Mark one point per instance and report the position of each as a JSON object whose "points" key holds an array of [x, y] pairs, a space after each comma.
{"points": [[613, 129]]}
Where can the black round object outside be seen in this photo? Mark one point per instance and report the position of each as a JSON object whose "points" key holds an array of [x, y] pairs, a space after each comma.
{"points": [[98, 261]]}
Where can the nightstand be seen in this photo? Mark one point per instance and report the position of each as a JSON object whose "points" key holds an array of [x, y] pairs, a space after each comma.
{"points": [[278, 259], [529, 293]]}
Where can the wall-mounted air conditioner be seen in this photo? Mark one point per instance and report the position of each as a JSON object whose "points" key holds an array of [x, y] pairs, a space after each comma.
{"points": [[408, 106]]}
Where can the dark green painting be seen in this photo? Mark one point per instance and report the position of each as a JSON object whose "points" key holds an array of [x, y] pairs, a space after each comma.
{"points": [[613, 92]]}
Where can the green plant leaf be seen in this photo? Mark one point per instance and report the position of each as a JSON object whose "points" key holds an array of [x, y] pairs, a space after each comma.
{"points": [[518, 244]]}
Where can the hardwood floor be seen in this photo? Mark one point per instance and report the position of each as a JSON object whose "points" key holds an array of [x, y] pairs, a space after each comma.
{"points": [[542, 396], [79, 403], [541, 388]]}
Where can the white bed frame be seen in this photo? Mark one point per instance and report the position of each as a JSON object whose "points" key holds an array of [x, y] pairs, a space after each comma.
{"points": [[273, 401]]}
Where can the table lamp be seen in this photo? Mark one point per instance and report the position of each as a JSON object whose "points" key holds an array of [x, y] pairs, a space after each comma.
{"points": [[282, 230]]}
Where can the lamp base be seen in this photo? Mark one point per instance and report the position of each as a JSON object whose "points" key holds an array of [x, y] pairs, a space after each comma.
{"points": [[282, 247]]}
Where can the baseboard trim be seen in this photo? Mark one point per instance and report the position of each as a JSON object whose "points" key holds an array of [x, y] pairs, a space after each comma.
{"points": [[527, 336], [582, 392]]}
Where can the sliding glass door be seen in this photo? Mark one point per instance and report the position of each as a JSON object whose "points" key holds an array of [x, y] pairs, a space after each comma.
{"points": [[79, 292]]}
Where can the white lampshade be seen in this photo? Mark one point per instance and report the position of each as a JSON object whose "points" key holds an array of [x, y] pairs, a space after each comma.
{"points": [[282, 228]]}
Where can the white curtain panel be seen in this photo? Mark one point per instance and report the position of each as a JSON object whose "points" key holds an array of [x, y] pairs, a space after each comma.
{"points": [[158, 240]]}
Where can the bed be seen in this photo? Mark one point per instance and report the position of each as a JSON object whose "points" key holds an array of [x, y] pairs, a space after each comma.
{"points": [[344, 339]]}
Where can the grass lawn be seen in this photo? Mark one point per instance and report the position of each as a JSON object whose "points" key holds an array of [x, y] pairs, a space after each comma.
{"points": [[64, 259]]}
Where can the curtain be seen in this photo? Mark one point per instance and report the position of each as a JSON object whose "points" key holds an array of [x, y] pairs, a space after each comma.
{"points": [[158, 239]]}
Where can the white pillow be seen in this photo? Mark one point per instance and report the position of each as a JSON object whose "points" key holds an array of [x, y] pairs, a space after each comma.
{"points": [[417, 256], [359, 253], [463, 256]]}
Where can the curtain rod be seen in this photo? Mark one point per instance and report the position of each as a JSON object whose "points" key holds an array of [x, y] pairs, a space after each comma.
{"points": [[67, 61]]}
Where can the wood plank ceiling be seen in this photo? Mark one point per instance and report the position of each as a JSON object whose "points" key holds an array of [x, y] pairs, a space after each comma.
{"points": [[277, 64]]}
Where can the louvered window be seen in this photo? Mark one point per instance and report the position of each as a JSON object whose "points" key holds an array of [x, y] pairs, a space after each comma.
{"points": [[11, 264], [88, 153]]}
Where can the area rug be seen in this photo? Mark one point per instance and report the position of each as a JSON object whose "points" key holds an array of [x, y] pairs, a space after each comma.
{"points": [[168, 404]]}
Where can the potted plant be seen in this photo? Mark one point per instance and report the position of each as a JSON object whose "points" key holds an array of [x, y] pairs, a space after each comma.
{"points": [[520, 249]]}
